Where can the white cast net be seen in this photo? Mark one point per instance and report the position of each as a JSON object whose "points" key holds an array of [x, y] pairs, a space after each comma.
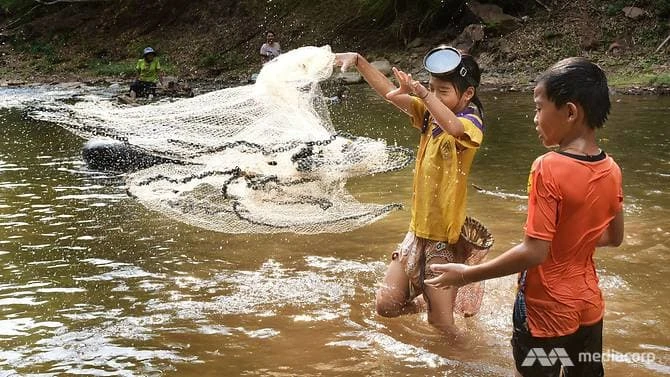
{"points": [[260, 158]]}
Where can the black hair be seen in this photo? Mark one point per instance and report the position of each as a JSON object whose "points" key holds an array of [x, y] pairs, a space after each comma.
{"points": [[462, 83], [270, 32], [580, 81]]}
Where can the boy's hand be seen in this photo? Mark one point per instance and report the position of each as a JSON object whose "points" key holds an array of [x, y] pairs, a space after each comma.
{"points": [[452, 275], [346, 60]]}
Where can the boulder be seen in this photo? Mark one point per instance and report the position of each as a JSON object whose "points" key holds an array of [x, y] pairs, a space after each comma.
{"points": [[469, 37], [589, 42], [589, 38], [174, 87], [384, 66], [417, 42], [634, 12], [349, 77], [494, 17], [170, 80], [615, 48]]}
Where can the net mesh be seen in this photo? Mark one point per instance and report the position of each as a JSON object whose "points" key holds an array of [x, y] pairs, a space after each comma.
{"points": [[260, 158]]}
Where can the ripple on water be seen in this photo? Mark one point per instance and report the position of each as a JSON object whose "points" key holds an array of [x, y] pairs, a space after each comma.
{"points": [[22, 326], [337, 266], [413, 356], [114, 347], [27, 301], [610, 284], [260, 293], [121, 271], [111, 197]]}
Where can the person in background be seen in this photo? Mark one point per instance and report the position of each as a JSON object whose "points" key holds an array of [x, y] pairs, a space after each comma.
{"points": [[149, 73], [575, 204], [270, 49]]}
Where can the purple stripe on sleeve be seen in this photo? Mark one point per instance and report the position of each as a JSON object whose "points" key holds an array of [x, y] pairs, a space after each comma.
{"points": [[474, 120], [437, 131]]}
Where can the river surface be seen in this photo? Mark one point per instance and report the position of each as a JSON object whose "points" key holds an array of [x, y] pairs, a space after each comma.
{"points": [[92, 283]]}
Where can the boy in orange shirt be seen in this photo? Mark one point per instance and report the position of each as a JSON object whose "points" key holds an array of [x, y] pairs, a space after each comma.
{"points": [[574, 205]]}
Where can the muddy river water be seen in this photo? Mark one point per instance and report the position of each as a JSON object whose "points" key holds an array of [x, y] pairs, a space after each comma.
{"points": [[92, 283]]}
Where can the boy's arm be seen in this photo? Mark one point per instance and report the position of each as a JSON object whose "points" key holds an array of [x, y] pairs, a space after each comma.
{"points": [[613, 235], [377, 80], [529, 253], [543, 204]]}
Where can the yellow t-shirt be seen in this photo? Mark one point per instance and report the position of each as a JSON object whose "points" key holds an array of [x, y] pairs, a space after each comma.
{"points": [[441, 177], [148, 71]]}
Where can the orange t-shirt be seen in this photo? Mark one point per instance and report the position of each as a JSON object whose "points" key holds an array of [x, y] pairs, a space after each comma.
{"points": [[571, 201]]}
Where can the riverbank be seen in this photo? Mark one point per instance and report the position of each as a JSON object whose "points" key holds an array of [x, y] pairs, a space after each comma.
{"points": [[211, 44], [200, 86]]}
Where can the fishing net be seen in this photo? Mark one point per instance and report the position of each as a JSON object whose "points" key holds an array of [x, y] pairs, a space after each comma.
{"points": [[260, 158]]}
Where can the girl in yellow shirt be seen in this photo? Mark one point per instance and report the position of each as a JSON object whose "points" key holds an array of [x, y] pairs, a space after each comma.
{"points": [[448, 114]]}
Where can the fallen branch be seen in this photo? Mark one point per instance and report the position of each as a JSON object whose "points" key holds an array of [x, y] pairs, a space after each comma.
{"points": [[52, 2], [15, 21], [543, 5], [662, 44]]}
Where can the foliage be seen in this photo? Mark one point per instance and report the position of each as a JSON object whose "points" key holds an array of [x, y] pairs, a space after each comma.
{"points": [[384, 12], [100, 67], [40, 50], [514, 6], [12, 6], [660, 79], [222, 62], [648, 70], [405, 19], [662, 8], [123, 68], [651, 79]]}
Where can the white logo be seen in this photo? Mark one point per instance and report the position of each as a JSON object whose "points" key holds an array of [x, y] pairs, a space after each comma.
{"points": [[547, 360]]}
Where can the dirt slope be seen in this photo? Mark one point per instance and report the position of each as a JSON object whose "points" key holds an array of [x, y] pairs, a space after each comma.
{"points": [[220, 38]]}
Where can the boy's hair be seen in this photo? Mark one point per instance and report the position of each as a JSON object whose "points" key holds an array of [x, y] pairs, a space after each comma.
{"points": [[471, 79], [580, 81], [270, 32]]}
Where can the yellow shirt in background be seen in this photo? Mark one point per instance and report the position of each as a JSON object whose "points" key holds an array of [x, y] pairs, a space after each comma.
{"points": [[441, 177], [148, 71]]}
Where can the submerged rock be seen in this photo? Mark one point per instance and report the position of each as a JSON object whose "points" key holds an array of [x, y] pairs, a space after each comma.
{"points": [[384, 66], [112, 155], [350, 77]]}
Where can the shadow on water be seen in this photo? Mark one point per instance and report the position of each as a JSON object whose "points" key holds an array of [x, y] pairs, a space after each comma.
{"points": [[94, 284]]}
